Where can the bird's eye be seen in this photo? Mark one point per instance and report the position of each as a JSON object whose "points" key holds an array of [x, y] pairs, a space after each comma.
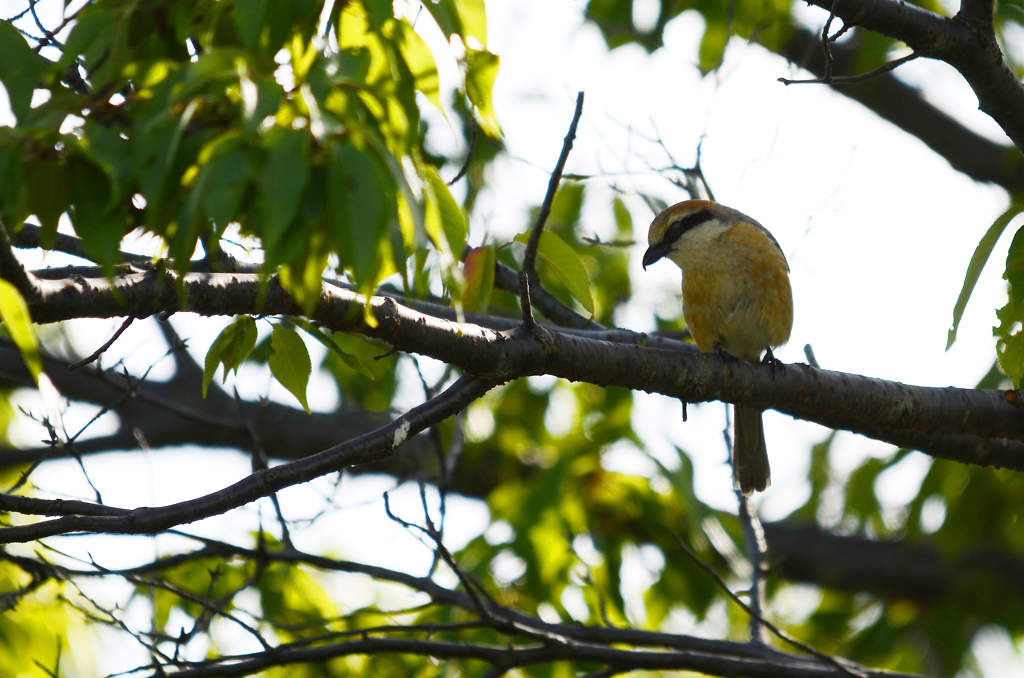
{"points": [[691, 221]]}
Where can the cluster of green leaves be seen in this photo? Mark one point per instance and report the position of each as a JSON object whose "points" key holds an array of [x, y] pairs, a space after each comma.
{"points": [[555, 495], [188, 118], [292, 606], [288, 358], [197, 115], [37, 630], [766, 22]]}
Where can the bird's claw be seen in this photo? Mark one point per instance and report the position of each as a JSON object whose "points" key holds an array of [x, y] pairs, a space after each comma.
{"points": [[773, 362]]}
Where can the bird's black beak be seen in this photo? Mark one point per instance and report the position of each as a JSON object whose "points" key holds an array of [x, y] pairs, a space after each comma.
{"points": [[653, 253]]}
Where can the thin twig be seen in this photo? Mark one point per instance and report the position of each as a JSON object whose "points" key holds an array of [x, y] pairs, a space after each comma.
{"points": [[852, 79], [260, 462], [469, 152], [102, 349], [825, 41], [524, 301], [782, 635], [63, 24], [529, 271], [530, 257], [757, 550]]}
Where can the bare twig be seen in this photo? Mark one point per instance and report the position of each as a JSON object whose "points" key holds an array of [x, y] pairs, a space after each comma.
{"points": [[757, 551], [469, 151], [102, 349], [852, 79], [366, 448], [782, 635], [528, 274], [556, 176]]}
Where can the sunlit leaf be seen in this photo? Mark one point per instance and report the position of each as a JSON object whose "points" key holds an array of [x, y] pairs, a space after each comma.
{"points": [[289, 363], [420, 61], [623, 219], [446, 225], [481, 71], [231, 347], [16, 318], [473, 16], [479, 274]]}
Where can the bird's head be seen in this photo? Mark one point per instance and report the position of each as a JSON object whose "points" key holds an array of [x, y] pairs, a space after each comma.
{"points": [[689, 231], [676, 225]]}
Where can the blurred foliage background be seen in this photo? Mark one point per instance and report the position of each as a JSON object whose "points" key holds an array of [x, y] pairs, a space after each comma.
{"points": [[295, 129]]}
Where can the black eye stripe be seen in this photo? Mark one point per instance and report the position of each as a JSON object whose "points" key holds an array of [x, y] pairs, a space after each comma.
{"points": [[690, 221]]}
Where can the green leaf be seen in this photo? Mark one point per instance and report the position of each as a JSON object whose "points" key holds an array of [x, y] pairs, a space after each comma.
{"points": [[282, 185], [473, 15], [479, 274], [357, 199], [623, 219], [10, 186], [100, 227], [1010, 341], [289, 363], [48, 197], [352, 361], [15, 316], [420, 61], [20, 69], [91, 24], [221, 186], [466, 18], [566, 265], [448, 215], [446, 16], [445, 224], [1014, 273], [379, 11], [978, 261], [250, 15], [232, 346], [481, 70]]}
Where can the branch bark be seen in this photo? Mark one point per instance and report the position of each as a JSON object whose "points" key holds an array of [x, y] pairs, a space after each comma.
{"points": [[366, 448], [967, 42], [852, 402], [905, 107]]}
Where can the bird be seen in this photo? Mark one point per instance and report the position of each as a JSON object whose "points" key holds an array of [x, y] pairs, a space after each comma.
{"points": [[737, 300]]}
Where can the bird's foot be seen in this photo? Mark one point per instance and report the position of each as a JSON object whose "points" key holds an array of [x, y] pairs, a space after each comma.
{"points": [[775, 363]]}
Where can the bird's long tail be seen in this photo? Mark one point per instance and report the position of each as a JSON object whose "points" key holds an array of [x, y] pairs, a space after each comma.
{"points": [[750, 472]]}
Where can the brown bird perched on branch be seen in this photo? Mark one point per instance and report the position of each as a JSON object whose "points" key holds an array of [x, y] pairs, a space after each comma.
{"points": [[736, 300]]}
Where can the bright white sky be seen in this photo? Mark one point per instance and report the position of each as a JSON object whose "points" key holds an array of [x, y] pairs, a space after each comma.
{"points": [[878, 231]]}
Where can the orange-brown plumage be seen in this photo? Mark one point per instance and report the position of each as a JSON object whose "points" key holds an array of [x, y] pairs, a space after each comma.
{"points": [[736, 298]]}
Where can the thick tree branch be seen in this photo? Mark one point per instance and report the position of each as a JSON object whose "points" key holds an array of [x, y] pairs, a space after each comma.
{"points": [[845, 401], [905, 107], [507, 657], [890, 569], [967, 42]]}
